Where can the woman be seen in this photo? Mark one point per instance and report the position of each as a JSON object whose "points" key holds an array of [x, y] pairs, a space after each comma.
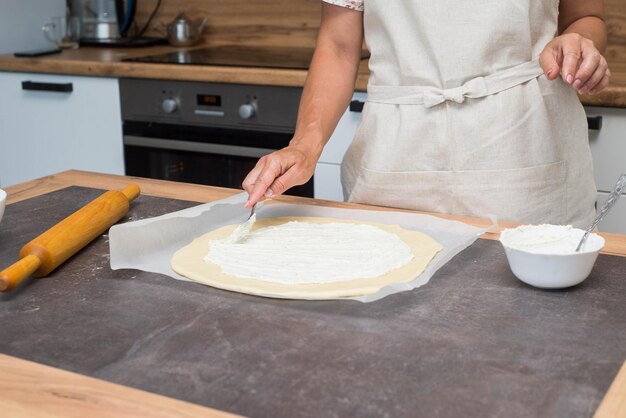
{"points": [[472, 107]]}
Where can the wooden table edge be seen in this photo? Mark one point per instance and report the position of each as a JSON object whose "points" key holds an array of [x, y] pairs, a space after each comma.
{"points": [[29, 389], [18, 388]]}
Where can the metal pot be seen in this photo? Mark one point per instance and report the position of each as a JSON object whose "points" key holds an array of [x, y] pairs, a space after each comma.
{"points": [[183, 31]]}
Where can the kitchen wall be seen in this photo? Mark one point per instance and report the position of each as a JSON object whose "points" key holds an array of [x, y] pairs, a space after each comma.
{"points": [[616, 26], [21, 22], [251, 22], [295, 22]]}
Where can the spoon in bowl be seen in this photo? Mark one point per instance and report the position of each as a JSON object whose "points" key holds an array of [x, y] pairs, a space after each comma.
{"points": [[606, 207]]}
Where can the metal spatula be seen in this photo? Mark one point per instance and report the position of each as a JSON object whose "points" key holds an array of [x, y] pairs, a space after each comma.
{"points": [[242, 231]]}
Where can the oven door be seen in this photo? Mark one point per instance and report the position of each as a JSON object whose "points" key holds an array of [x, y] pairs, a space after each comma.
{"points": [[211, 156]]}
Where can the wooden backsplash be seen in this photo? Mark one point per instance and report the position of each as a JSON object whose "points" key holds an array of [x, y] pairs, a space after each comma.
{"points": [[295, 22], [249, 22], [616, 26]]}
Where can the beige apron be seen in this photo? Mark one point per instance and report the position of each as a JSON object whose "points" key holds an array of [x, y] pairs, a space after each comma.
{"points": [[460, 118]]}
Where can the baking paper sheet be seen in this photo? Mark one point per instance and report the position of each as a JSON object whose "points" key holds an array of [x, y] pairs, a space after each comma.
{"points": [[149, 244]]}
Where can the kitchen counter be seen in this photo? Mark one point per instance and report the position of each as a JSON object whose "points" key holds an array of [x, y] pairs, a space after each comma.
{"points": [[107, 62], [103, 62], [499, 307]]}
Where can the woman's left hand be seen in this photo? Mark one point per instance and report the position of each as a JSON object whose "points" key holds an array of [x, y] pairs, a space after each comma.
{"points": [[578, 62]]}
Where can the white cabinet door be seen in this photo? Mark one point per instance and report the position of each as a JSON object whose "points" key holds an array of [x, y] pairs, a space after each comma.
{"points": [[44, 132], [327, 182], [344, 133], [608, 146], [327, 178], [615, 221]]}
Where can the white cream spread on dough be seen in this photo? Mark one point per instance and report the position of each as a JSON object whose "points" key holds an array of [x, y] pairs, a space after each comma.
{"points": [[544, 239], [306, 252]]}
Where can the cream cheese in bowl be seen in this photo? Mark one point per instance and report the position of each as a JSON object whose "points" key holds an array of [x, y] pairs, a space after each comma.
{"points": [[545, 255]]}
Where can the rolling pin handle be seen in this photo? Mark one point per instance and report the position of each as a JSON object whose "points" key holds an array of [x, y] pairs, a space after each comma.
{"points": [[15, 274], [131, 191]]}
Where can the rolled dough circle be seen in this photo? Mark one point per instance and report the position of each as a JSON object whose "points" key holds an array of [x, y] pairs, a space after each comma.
{"points": [[189, 262]]}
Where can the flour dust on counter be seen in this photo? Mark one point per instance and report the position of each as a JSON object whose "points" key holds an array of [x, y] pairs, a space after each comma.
{"points": [[310, 258]]}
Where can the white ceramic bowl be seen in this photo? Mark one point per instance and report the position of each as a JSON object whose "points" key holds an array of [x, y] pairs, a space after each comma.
{"points": [[3, 201], [547, 270]]}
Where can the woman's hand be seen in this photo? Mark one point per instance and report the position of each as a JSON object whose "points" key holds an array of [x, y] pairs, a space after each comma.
{"points": [[578, 62], [279, 171]]}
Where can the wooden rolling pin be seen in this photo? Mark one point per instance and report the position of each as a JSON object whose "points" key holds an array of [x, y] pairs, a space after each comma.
{"points": [[50, 249]]}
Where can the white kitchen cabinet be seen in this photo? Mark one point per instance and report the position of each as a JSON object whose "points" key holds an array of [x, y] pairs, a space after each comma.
{"points": [[44, 132], [327, 182], [615, 221], [608, 146], [327, 178]]}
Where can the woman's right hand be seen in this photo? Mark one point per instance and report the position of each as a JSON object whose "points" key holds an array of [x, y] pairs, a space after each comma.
{"points": [[277, 172]]}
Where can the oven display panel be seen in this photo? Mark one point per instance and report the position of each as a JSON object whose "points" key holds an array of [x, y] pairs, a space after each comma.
{"points": [[209, 100]]}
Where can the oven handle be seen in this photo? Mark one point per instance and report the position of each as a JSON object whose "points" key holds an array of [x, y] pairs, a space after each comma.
{"points": [[169, 144]]}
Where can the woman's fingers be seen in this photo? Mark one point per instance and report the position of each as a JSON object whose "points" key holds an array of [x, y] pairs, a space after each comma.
{"points": [[279, 171], [284, 182], [595, 78], [578, 61], [602, 84], [589, 66], [261, 188], [572, 54], [548, 60], [248, 182]]}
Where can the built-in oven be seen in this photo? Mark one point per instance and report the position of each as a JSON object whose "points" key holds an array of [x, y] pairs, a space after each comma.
{"points": [[205, 133]]}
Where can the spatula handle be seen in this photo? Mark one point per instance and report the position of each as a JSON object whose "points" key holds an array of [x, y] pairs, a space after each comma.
{"points": [[614, 196], [15, 274]]}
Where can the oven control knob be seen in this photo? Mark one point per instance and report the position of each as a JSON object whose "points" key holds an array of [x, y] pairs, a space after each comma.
{"points": [[169, 105], [247, 111]]}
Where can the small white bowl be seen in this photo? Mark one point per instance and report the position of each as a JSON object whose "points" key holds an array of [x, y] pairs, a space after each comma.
{"points": [[546, 269], [3, 201]]}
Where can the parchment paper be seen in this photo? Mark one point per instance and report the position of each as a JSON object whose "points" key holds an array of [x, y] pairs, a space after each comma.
{"points": [[149, 244]]}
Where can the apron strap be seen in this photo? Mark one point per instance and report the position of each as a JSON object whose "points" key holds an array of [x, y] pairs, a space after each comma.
{"points": [[475, 88]]}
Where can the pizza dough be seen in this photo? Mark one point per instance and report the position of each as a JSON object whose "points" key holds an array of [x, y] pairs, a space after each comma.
{"points": [[407, 255]]}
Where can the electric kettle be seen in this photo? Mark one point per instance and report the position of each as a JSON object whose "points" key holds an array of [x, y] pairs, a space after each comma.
{"points": [[104, 21]]}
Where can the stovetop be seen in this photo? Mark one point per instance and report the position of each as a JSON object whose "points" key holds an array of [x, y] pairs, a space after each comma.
{"points": [[239, 56], [140, 42]]}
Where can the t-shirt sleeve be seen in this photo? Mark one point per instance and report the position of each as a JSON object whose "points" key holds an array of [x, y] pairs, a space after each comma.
{"points": [[350, 4]]}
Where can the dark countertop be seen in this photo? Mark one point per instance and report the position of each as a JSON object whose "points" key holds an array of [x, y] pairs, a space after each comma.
{"points": [[473, 342]]}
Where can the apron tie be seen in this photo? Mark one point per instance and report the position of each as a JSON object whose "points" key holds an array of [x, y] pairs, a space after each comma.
{"points": [[475, 88], [434, 98], [472, 89]]}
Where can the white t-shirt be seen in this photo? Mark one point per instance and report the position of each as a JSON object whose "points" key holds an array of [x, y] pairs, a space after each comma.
{"points": [[350, 4]]}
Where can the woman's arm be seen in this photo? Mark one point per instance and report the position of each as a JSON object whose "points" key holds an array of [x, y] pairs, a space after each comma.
{"points": [[576, 54], [327, 92]]}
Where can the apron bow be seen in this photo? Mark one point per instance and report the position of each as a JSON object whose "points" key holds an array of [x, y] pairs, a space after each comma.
{"points": [[436, 97], [476, 87]]}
